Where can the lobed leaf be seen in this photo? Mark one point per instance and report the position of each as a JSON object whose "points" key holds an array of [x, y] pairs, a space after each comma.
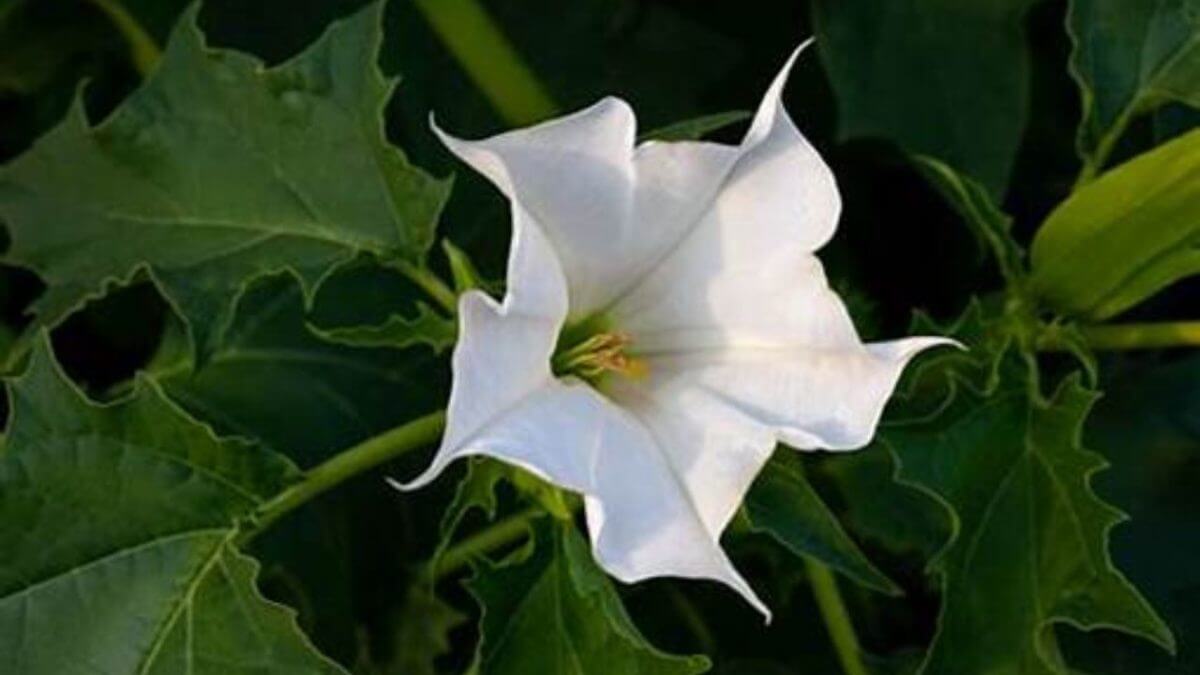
{"points": [[120, 521], [558, 585], [217, 171], [1029, 542]]}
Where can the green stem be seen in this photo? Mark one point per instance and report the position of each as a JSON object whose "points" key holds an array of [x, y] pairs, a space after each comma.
{"points": [[430, 283], [142, 49], [490, 59], [507, 531], [1130, 336], [837, 619], [346, 464], [1093, 165]]}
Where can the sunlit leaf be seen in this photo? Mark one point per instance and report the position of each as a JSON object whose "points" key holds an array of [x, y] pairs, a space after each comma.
{"points": [[219, 170], [120, 523]]}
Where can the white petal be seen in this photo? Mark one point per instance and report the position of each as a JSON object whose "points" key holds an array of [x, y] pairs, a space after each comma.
{"points": [[813, 398], [728, 279], [503, 351], [610, 211], [640, 517], [715, 448], [575, 176]]}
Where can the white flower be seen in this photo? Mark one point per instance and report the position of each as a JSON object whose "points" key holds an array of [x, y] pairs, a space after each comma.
{"points": [[665, 325]]}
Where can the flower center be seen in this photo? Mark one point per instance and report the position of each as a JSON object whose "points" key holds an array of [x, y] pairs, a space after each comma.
{"points": [[600, 354]]}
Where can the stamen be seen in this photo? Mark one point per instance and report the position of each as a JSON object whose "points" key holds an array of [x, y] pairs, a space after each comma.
{"points": [[599, 354]]}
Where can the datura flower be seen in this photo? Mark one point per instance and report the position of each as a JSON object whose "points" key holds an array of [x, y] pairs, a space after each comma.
{"points": [[665, 324]]}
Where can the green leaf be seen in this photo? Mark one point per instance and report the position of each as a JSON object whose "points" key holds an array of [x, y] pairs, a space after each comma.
{"points": [[118, 521], [1146, 425], [991, 226], [946, 79], [421, 630], [219, 170], [1125, 236], [1029, 542], [1129, 57], [556, 612], [273, 380], [884, 510], [466, 276], [784, 505], [696, 128], [427, 327]]}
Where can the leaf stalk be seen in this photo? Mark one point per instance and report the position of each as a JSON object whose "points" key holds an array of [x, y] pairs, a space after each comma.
{"points": [[347, 464], [143, 51], [1132, 336], [837, 618], [491, 61]]}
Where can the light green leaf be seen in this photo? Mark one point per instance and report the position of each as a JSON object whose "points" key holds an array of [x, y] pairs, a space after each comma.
{"points": [[462, 269], [784, 505], [945, 79], [117, 523], [559, 586], [1129, 57], [219, 170], [427, 327], [1125, 236], [695, 128], [1029, 542]]}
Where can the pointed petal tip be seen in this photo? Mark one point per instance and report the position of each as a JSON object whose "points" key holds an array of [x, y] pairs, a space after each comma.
{"points": [[425, 478]]}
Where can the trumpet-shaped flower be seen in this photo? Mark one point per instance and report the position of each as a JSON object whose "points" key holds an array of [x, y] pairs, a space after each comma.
{"points": [[665, 324]]}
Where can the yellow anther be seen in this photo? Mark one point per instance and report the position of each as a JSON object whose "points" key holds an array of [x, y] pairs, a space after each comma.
{"points": [[600, 354]]}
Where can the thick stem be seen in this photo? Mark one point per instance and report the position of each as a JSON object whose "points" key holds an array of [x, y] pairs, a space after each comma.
{"points": [[430, 283], [507, 531], [837, 619], [142, 49], [1130, 336], [489, 59], [362, 457]]}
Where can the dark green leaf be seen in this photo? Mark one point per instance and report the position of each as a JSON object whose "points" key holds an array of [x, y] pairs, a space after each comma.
{"points": [[271, 379], [1131, 56], [427, 327], [946, 79], [1125, 236], [1029, 544], [784, 505], [421, 629], [1148, 426], [120, 521], [556, 612], [695, 128], [884, 510], [220, 170], [991, 226]]}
